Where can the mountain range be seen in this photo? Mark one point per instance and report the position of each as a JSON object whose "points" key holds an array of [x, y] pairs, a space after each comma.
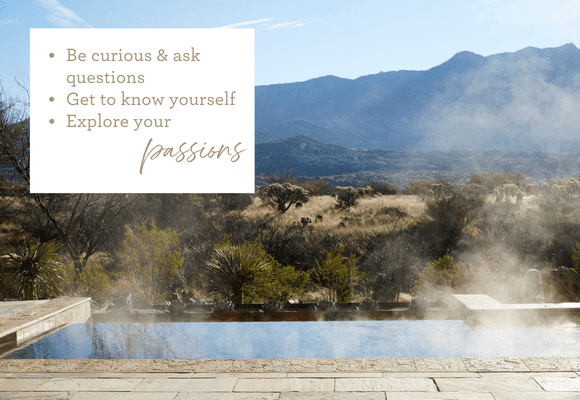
{"points": [[528, 100], [308, 158]]}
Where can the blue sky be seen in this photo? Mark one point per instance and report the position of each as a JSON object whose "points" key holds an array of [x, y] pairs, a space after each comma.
{"points": [[302, 39]]}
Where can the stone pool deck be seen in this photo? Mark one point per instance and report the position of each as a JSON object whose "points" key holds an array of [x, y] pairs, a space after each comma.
{"points": [[481, 309], [534, 378], [24, 320], [500, 378]]}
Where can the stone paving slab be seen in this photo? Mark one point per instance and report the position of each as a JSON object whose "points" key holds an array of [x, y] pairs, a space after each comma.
{"points": [[16, 365], [335, 375], [528, 374], [127, 365], [286, 365], [390, 365], [285, 385], [541, 364], [340, 365], [434, 374], [37, 395], [15, 385], [385, 385], [250, 375], [227, 366], [369, 365], [558, 384], [491, 384], [440, 364], [499, 364], [146, 375], [9, 308], [62, 366], [123, 396], [90, 385], [439, 396], [537, 396], [173, 365], [50, 375], [228, 396], [32, 313], [499, 378], [332, 396], [187, 385]]}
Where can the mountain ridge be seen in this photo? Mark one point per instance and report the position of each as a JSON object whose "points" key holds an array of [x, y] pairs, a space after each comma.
{"points": [[524, 100]]}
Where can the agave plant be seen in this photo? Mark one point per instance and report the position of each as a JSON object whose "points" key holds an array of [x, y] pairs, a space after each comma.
{"points": [[230, 270], [368, 305], [223, 305], [32, 271], [326, 305], [272, 306]]}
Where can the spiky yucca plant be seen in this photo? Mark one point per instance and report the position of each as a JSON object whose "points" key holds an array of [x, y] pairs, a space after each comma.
{"points": [[230, 269], [32, 271]]}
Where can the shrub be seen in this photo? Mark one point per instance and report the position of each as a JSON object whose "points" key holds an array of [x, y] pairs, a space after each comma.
{"points": [[279, 283], [442, 275], [491, 180], [94, 282], [346, 196], [317, 187], [153, 258], [418, 187], [365, 191], [338, 274], [384, 187], [576, 256]]}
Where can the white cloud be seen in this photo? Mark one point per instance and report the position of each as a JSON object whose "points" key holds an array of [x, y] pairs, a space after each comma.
{"points": [[238, 24], [262, 22], [285, 25], [61, 16]]}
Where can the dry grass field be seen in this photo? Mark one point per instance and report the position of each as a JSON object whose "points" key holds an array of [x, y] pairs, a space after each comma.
{"points": [[372, 215]]}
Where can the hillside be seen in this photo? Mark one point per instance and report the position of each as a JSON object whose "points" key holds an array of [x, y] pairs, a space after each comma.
{"points": [[341, 165], [528, 100]]}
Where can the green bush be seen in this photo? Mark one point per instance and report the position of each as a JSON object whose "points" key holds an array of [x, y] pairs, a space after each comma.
{"points": [[153, 259], [338, 275], [442, 275], [94, 282]]}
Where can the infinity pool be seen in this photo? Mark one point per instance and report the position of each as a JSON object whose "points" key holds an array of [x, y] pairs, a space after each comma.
{"points": [[329, 339]]}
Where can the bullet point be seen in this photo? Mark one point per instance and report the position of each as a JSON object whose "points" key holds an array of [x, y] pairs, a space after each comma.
{"points": [[51, 99], [51, 55], [51, 121]]}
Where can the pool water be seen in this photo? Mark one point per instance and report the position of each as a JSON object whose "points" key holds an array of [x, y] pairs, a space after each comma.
{"points": [[329, 339]]}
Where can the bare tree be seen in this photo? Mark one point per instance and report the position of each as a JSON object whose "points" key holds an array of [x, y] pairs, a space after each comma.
{"points": [[15, 135], [84, 223]]}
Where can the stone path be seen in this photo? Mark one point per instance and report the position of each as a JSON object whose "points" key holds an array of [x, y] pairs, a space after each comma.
{"points": [[502, 378]]}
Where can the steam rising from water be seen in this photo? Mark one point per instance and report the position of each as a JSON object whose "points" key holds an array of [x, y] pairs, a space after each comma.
{"points": [[512, 105], [366, 339]]}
